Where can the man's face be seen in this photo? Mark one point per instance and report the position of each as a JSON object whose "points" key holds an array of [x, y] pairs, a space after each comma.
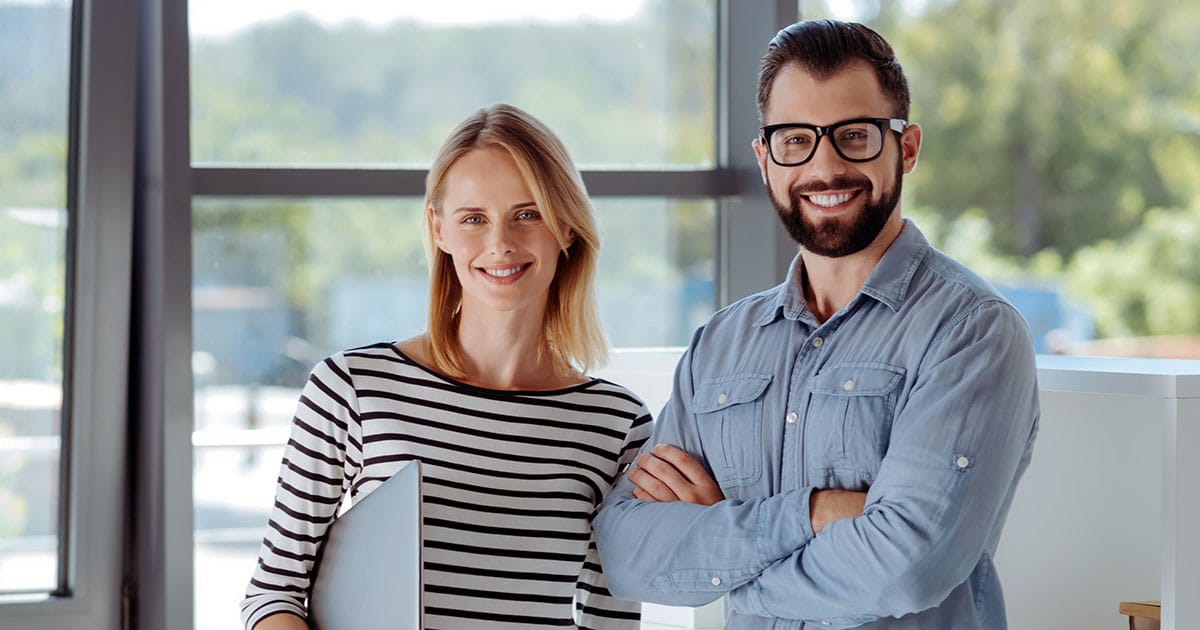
{"points": [[830, 206]]}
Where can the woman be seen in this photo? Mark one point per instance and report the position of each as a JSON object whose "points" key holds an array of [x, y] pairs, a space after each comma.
{"points": [[517, 445]]}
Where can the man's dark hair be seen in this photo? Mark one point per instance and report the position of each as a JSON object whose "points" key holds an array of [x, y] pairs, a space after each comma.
{"points": [[824, 47]]}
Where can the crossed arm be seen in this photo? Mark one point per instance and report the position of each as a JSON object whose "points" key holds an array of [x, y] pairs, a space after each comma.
{"points": [[934, 510], [667, 473]]}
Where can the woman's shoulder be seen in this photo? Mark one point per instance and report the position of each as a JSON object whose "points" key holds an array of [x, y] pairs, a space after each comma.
{"points": [[383, 356], [608, 393]]}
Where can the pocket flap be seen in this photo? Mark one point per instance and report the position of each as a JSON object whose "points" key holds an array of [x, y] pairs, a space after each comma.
{"points": [[857, 380], [719, 393]]}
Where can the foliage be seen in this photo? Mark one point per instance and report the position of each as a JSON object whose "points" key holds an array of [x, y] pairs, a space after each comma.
{"points": [[1149, 279], [1062, 142]]}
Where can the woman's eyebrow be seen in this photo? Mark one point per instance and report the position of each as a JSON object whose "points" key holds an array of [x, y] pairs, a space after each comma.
{"points": [[515, 206]]}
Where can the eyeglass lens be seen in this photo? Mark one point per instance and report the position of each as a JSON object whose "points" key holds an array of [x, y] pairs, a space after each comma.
{"points": [[853, 141]]}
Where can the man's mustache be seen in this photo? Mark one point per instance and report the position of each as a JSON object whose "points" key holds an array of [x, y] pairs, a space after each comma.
{"points": [[837, 183]]}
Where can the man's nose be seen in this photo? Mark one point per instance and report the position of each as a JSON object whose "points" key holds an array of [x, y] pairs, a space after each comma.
{"points": [[826, 163]]}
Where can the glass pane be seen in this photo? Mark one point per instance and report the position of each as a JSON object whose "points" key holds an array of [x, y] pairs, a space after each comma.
{"points": [[624, 83], [35, 46], [1060, 159], [278, 285]]}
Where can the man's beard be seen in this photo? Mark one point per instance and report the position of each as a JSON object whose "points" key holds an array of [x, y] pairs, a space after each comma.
{"points": [[838, 237]]}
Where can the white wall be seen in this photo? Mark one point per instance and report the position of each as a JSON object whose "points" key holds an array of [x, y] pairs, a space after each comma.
{"points": [[1083, 533]]}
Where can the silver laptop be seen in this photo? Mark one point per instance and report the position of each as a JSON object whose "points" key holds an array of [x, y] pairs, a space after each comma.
{"points": [[369, 571]]}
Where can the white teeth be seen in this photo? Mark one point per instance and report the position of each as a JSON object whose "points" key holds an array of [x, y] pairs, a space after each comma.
{"points": [[503, 273], [829, 201]]}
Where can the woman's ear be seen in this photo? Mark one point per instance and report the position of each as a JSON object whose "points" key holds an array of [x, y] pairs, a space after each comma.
{"points": [[435, 224], [570, 239]]}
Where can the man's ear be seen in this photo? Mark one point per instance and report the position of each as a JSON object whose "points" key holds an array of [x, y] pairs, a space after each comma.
{"points": [[910, 145], [760, 152]]}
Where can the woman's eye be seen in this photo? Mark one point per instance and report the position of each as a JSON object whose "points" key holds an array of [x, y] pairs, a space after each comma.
{"points": [[472, 219], [526, 215]]}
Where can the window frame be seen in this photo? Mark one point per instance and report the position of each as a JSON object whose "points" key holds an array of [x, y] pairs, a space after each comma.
{"points": [[93, 482]]}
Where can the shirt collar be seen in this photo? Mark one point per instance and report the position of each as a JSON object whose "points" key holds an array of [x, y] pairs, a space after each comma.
{"points": [[888, 282]]}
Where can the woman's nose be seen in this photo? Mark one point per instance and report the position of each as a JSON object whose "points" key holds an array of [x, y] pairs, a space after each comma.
{"points": [[500, 238]]}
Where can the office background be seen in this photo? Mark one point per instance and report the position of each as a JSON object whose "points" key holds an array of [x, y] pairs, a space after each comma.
{"points": [[199, 200]]}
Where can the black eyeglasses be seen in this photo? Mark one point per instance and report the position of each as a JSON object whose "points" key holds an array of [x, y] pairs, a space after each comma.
{"points": [[856, 140]]}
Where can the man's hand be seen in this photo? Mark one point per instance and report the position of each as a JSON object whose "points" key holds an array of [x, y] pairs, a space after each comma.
{"points": [[827, 506], [668, 474]]}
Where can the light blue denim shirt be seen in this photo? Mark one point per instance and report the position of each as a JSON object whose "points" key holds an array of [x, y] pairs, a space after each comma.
{"points": [[922, 391]]}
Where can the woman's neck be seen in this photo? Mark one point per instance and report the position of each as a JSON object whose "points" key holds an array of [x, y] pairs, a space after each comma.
{"points": [[507, 352]]}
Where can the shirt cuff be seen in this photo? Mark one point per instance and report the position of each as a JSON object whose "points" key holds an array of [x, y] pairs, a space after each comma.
{"points": [[784, 527]]}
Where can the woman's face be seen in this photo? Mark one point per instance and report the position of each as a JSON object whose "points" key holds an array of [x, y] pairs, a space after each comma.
{"points": [[504, 254]]}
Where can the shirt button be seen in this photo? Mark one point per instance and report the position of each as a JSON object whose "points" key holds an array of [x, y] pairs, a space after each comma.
{"points": [[722, 398], [792, 417], [817, 342], [848, 385], [963, 462], [716, 581]]}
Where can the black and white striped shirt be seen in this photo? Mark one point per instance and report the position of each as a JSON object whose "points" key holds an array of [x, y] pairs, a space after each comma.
{"points": [[511, 480]]}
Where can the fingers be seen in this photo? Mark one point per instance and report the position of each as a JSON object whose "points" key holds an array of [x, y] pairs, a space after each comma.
{"points": [[682, 462], [643, 495], [669, 473], [701, 488], [656, 479]]}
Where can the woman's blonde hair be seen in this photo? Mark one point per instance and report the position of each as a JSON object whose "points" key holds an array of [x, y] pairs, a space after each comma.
{"points": [[574, 336]]}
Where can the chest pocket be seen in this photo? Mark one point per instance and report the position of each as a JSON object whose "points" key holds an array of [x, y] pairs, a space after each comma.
{"points": [[849, 421], [729, 418]]}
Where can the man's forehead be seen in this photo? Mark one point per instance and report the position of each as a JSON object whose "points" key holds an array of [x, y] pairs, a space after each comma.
{"points": [[852, 91]]}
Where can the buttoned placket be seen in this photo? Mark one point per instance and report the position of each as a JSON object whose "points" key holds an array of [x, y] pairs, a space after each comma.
{"points": [[807, 362]]}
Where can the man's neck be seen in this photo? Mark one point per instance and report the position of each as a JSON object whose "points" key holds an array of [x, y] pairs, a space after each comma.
{"points": [[830, 283]]}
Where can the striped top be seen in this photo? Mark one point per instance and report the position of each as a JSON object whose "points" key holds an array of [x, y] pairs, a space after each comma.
{"points": [[511, 481]]}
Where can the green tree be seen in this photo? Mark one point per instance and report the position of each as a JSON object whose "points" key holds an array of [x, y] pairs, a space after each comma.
{"points": [[1051, 116]]}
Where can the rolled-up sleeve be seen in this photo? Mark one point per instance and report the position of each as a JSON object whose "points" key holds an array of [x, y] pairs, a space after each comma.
{"points": [[958, 446]]}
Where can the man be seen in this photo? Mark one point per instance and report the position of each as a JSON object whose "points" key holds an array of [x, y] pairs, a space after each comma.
{"points": [[841, 450]]}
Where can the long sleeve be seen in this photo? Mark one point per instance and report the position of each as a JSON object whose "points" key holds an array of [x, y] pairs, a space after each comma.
{"points": [[319, 462], [596, 608], [957, 448], [687, 555]]}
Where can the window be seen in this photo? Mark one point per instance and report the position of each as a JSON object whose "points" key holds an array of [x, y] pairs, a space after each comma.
{"points": [[284, 276], [66, 148], [35, 80], [623, 83]]}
